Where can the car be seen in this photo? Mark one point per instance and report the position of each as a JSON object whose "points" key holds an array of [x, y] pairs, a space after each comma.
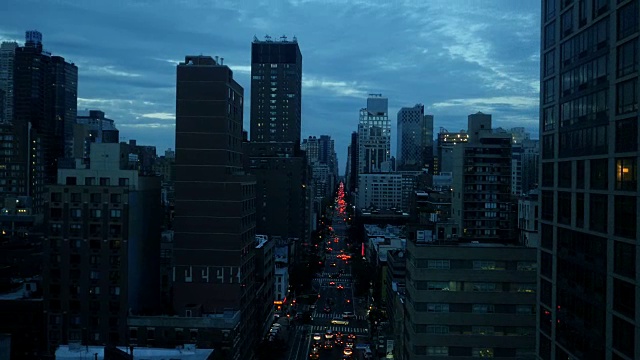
{"points": [[276, 326], [348, 315], [327, 309], [332, 283], [330, 249], [339, 339], [328, 334], [333, 265], [328, 345], [317, 337], [338, 321], [351, 336], [347, 351], [348, 344], [314, 356], [340, 287]]}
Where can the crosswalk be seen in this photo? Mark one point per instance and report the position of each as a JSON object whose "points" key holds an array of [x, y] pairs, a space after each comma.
{"points": [[342, 329], [321, 315], [327, 274], [326, 281]]}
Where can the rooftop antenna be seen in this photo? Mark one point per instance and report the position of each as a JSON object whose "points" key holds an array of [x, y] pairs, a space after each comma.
{"points": [[283, 38], [255, 38], [267, 38], [295, 39]]}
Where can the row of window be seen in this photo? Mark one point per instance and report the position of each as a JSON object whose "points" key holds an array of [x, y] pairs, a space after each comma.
{"points": [[90, 181], [624, 168], [475, 264], [479, 352], [474, 330], [475, 286], [474, 308], [94, 198]]}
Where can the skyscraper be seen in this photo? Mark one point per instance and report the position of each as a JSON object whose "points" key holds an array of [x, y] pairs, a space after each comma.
{"points": [[7, 55], [415, 139], [374, 136], [276, 90], [214, 203], [45, 95], [588, 302]]}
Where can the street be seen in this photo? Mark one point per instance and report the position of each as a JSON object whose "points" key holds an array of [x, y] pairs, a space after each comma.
{"points": [[336, 302]]}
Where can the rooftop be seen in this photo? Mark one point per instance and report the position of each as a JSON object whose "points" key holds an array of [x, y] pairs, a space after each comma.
{"points": [[89, 352]]}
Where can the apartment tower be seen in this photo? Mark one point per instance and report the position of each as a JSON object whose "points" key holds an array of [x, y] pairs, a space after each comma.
{"points": [[588, 277]]}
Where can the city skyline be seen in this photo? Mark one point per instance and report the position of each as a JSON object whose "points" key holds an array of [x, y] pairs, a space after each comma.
{"points": [[130, 77]]}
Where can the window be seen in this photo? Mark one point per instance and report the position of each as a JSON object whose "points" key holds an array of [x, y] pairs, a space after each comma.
{"points": [[624, 259], [71, 180], [625, 216], [564, 207], [488, 265], [580, 174], [567, 23], [105, 181], [485, 287], [626, 174], [628, 58], [56, 197], [96, 213], [482, 352], [96, 198], [437, 351], [564, 174], [549, 117], [623, 336], [438, 264], [438, 285], [624, 298], [627, 96], [525, 309], [548, 146], [523, 287], [439, 308], [547, 174], [598, 213], [123, 182], [482, 330], [527, 266], [549, 9], [75, 229], [627, 135], [483, 308], [600, 7], [580, 209], [437, 329], [549, 63], [89, 181], [549, 90], [76, 213], [599, 175], [116, 213], [628, 20], [550, 35], [547, 208], [116, 198]]}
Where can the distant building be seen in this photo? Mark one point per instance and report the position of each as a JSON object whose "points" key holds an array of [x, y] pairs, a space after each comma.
{"points": [[446, 142], [7, 56], [374, 136], [276, 90], [525, 154], [92, 127], [415, 139], [142, 157], [482, 203], [22, 320], [380, 191], [130, 353], [102, 245], [265, 283], [528, 216], [281, 282], [352, 174]]}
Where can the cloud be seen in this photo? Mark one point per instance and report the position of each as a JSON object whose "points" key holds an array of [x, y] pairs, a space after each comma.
{"points": [[108, 70], [150, 125], [161, 116], [341, 88], [514, 102]]}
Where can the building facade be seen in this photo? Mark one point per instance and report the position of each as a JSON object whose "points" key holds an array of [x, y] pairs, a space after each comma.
{"points": [[214, 226], [7, 55], [446, 142], [481, 202], [415, 139], [469, 300], [276, 90], [101, 250], [589, 190], [374, 136], [380, 191], [525, 160]]}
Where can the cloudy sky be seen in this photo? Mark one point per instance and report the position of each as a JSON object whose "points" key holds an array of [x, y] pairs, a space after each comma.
{"points": [[455, 56]]}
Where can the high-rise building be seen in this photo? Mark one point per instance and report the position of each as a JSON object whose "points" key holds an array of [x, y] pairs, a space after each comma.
{"points": [[374, 136], [101, 250], [276, 90], [45, 94], [92, 127], [588, 303], [7, 54], [415, 139], [525, 157], [214, 227], [273, 155], [321, 157], [352, 180], [482, 206], [446, 143]]}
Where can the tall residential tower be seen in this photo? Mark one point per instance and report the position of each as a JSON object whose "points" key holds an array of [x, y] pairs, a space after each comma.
{"points": [[588, 277]]}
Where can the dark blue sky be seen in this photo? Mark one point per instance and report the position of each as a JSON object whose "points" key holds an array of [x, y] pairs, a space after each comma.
{"points": [[456, 56]]}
